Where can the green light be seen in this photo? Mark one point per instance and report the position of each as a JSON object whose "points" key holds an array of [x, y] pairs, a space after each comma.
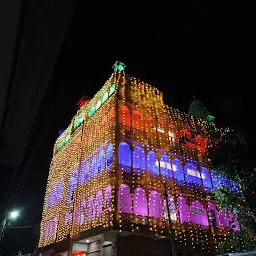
{"points": [[78, 122], [105, 97], [98, 104], [210, 118], [120, 67], [92, 111], [112, 89], [67, 139]]}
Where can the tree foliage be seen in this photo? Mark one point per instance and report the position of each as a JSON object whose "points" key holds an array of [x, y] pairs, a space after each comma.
{"points": [[233, 156]]}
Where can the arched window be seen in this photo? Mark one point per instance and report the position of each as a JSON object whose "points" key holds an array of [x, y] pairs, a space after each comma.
{"points": [[108, 198], [192, 175], [198, 214], [139, 160], [165, 166], [84, 172], [137, 120], [213, 215], [124, 116], [56, 193], [111, 116], [94, 170], [124, 199], [124, 157], [206, 178], [99, 203], [234, 222], [178, 171], [68, 218], [72, 187], [109, 156], [53, 227], [223, 217], [155, 205], [172, 208], [101, 161], [172, 133], [140, 204], [183, 208], [152, 163], [90, 208], [82, 214], [150, 125], [160, 126]]}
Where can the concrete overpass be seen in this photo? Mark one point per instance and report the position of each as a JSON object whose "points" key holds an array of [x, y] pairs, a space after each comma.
{"points": [[32, 32]]}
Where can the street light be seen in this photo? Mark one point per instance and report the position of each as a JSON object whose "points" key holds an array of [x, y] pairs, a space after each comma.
{"points": [[13, 215], [10, 216]]}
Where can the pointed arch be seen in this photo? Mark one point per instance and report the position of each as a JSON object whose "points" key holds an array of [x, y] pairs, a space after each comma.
{"points": [[137, 120], [99, 199], [84, 177], [111, 116], [124, 116], [150, 124], [160, 126], [109, 156], [108, 198], [178, 171], [183, 208], [213, 215], [124, 199], [72, 187], [192, 175], [172, 208], [140, 204], [94, 170], [101, 161], [155, 204], [206, 178], [90, 208], [83, 212], [165, 166], [152, 163], [198, 214], [172, 133], [124, 157], [139, 160]]}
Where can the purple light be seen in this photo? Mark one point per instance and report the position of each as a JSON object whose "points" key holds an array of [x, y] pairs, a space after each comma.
{"points": [[60, 132]]}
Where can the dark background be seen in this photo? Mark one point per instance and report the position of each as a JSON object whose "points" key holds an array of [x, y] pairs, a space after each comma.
{"points": [[185, 48]]}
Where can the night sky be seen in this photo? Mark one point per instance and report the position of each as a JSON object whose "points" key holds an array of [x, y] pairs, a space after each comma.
{"points": [[206, 48]]}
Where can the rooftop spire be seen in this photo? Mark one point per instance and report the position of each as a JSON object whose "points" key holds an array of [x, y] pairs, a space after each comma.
{"points": [[119, 66], [198, 109]]}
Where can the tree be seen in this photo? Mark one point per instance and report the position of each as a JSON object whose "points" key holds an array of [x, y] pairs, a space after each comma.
{"points": [[233, 156]]}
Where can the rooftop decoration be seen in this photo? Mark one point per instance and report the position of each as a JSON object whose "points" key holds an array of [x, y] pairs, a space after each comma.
{"points": [[198, 109], [119, 66]]}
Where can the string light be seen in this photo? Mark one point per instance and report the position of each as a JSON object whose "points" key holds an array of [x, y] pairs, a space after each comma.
{"points": [[109, 166]]}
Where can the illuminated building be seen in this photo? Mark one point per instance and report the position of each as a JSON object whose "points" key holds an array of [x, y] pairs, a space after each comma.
{"points": [[106, 181]]}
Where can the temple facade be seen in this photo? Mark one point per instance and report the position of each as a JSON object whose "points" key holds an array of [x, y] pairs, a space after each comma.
{"points": [[127, 168]]}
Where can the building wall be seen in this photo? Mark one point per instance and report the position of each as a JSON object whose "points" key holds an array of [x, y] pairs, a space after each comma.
{"points": [[110, 165]]}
